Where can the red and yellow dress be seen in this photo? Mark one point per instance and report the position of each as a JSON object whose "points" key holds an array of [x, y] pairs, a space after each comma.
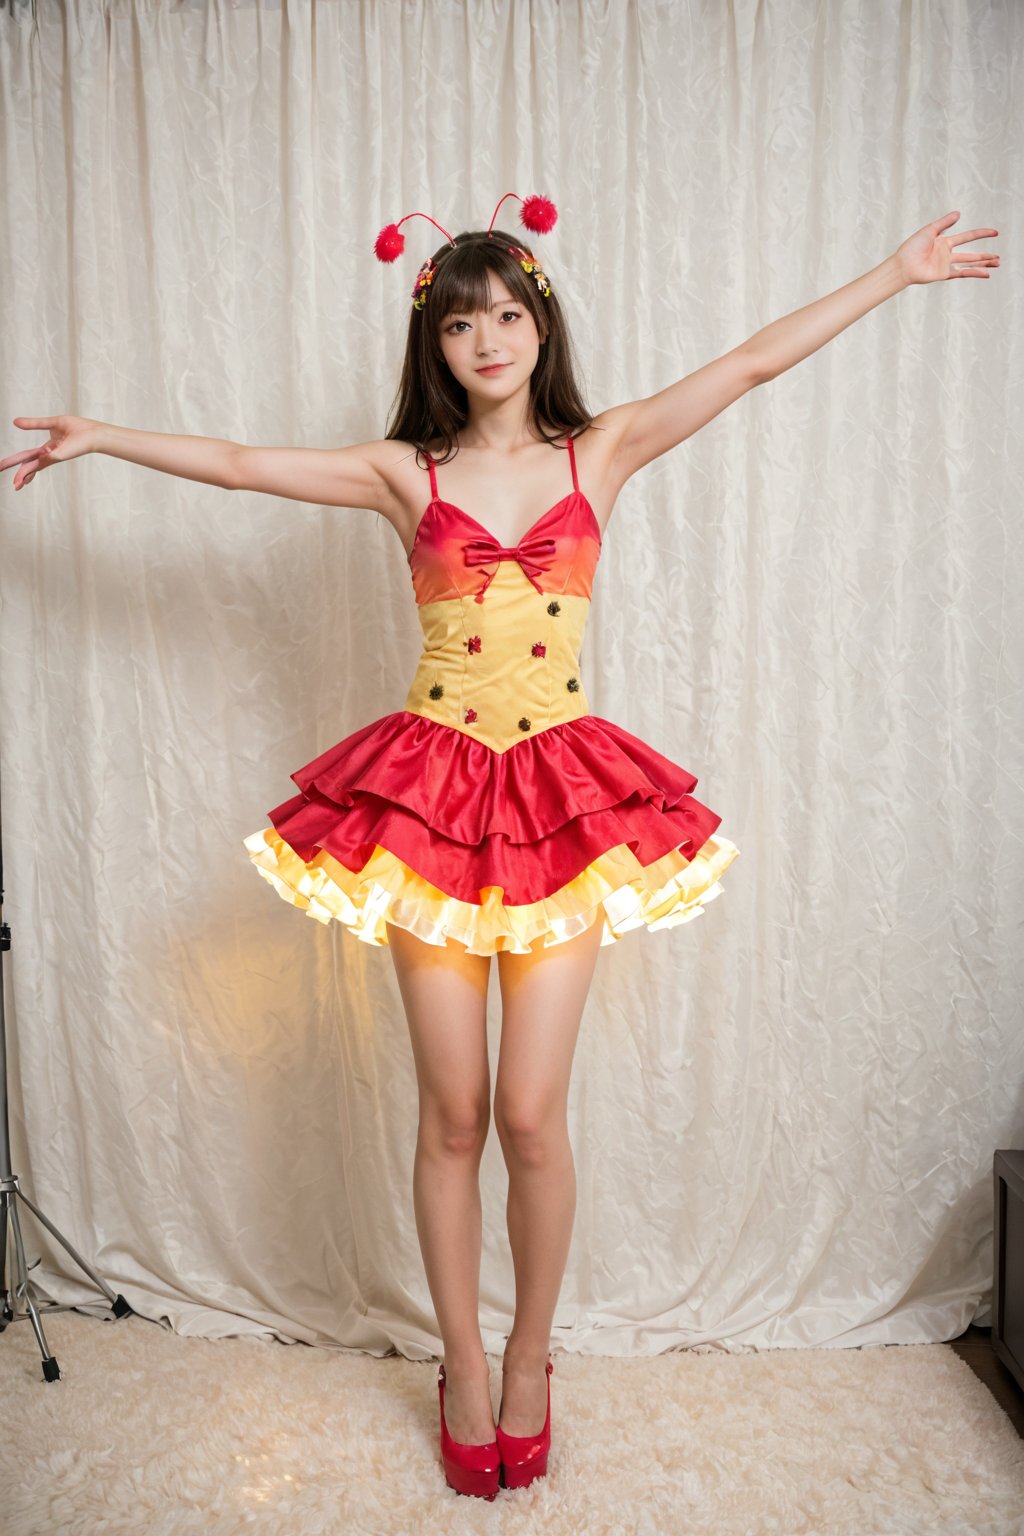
{"points": [[494, 808]]}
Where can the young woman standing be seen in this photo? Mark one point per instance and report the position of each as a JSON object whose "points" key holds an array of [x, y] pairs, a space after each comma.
{"points": [[494, 814]]}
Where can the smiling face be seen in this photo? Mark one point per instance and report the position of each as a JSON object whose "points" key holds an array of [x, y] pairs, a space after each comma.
{"points": [[505, 333]]}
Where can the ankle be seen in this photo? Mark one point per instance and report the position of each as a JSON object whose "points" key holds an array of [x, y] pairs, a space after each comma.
{"points": [[524, 1359], [466, 1365]]}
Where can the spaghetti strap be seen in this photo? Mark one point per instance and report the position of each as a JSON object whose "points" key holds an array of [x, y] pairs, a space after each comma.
{"points": [[433, 476], [572, 461]]}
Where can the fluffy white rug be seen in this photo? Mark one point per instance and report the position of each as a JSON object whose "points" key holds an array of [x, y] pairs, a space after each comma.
{"points": [[152, 1434]]}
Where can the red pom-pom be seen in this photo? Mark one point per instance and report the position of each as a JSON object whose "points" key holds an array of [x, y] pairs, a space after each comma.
{"points": [[538, 214], [389, 244]]}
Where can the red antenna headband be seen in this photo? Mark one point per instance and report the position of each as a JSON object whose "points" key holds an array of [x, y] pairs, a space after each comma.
{"points": [[537, 214]]}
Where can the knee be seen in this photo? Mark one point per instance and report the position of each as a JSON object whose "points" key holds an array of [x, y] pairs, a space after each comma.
{"points": [[529, 1134], [455, 1129]]}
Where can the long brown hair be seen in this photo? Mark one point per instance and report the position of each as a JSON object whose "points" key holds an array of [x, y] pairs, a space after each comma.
{"points": [[431, 403]]}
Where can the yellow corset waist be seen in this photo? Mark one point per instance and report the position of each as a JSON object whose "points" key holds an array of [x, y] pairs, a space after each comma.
{"points": [[503, 669]]}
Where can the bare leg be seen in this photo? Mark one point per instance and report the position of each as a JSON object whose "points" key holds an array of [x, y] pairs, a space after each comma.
{"points": [[543, 995], [444, 991]]}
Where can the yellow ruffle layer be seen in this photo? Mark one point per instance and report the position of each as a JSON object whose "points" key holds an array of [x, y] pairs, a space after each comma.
{"points": [[616, 889]]}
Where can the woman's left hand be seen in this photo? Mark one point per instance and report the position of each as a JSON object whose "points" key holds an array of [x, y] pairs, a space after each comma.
{"points": [[927, 256]]}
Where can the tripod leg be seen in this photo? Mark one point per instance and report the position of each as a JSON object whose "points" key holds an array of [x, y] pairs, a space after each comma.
{"points": [[6, 1301], [96, 1279], [51, 1370]]}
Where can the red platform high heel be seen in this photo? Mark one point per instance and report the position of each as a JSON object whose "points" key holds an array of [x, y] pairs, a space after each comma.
{"points": [[471, 1469], [524, 1457]]}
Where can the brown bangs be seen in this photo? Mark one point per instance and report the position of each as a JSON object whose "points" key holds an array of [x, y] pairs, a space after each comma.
{"points": [[462, 284]]}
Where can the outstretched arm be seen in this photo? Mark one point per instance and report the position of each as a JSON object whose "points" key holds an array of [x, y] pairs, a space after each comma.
{"points": [[646, 428], [925, 257], [343, 477]]}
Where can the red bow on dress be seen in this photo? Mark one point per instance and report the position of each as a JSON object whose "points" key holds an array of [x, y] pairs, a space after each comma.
{"points": [[534, 555]]}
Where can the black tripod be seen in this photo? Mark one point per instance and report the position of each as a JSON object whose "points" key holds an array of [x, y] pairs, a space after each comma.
{"points": [[10, 1194]]}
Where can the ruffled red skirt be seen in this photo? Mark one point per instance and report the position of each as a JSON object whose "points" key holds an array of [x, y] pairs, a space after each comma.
{"points": [[411, 822]]}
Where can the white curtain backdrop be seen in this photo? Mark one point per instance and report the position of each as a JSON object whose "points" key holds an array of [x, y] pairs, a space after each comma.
{"points": [[783, 1114]]}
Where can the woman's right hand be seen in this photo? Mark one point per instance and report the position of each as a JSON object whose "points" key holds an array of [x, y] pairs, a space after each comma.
{"points": [[69, 436]]}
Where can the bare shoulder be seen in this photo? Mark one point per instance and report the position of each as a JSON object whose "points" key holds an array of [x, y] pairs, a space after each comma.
{"points": [[381, 475], [602, 466], [391, 457], [598, 446], [404, 488]]}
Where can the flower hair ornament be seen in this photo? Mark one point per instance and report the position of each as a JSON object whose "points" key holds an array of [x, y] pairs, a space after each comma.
{"points": [[537, 214]]}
